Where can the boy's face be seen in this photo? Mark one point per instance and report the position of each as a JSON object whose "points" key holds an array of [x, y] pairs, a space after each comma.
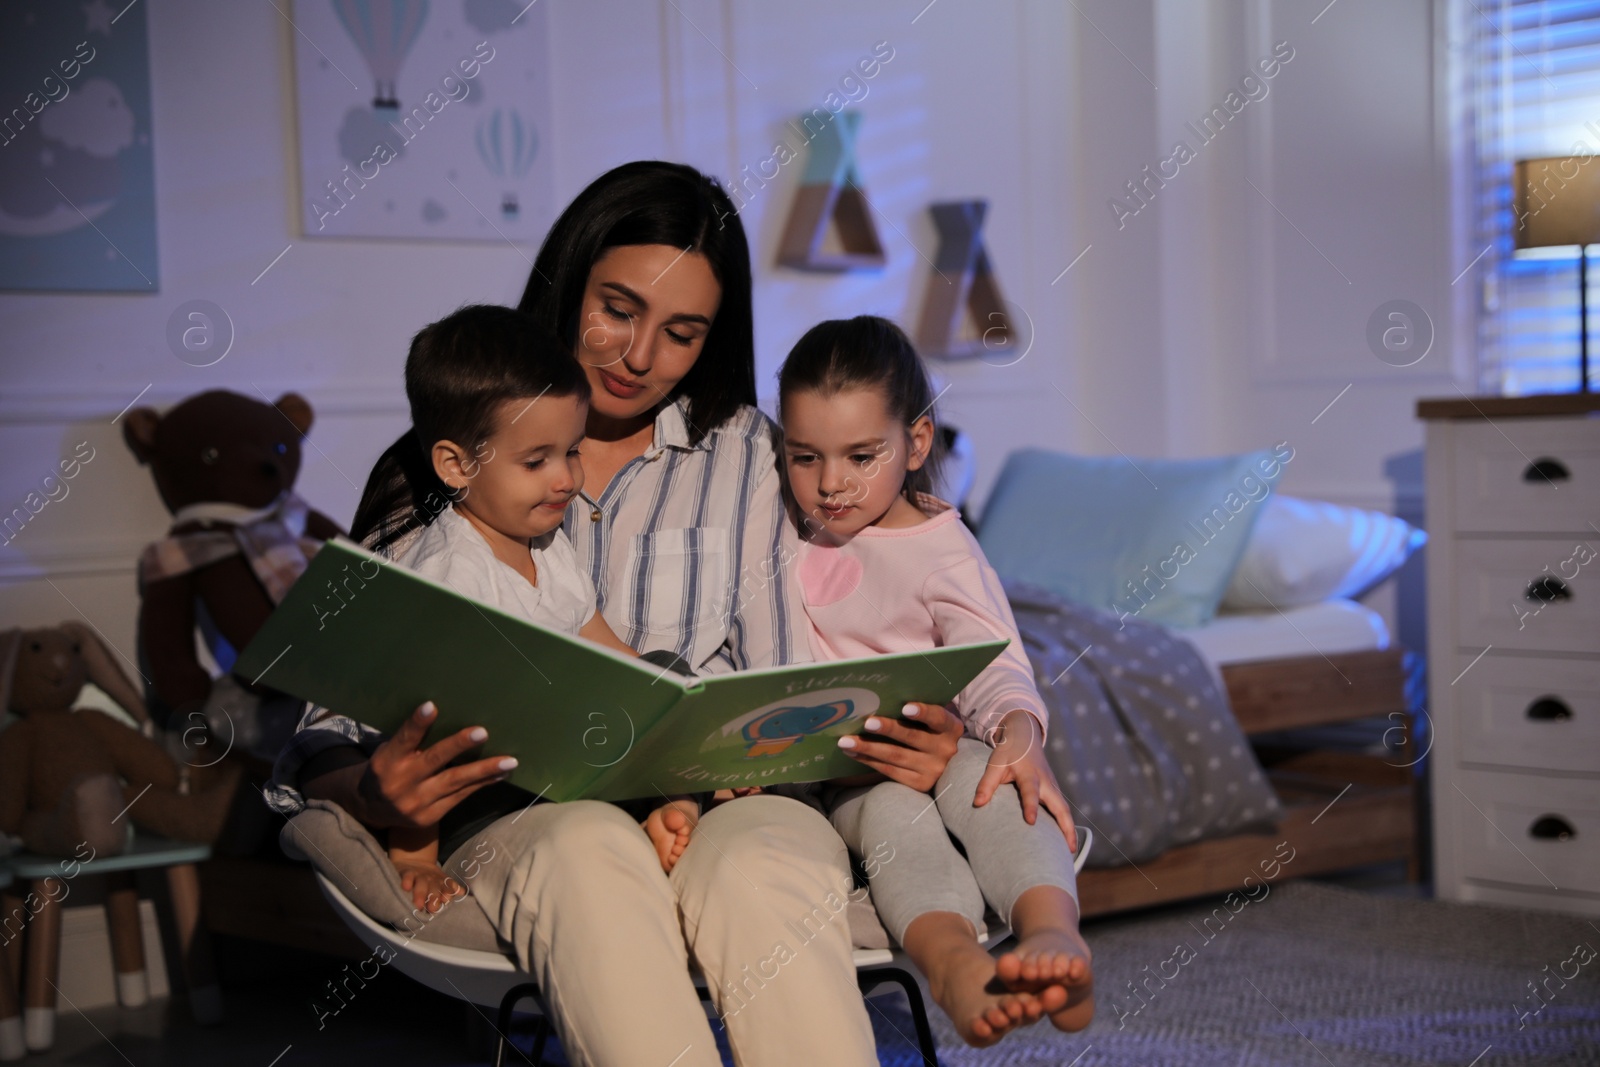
{"points": [[520, 480], [847, 458]]}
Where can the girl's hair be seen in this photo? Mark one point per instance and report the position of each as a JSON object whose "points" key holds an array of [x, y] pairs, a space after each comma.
{"points": [[653, 203], [458, 373], [867, 352]]}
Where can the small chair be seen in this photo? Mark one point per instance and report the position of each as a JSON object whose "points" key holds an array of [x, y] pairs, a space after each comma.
{"points": [[122, 920], [491, 979]]}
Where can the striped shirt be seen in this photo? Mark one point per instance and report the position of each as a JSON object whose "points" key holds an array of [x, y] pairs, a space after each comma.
{"points": [[686, 548]]}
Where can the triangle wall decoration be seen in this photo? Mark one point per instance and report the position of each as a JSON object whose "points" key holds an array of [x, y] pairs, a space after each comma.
{"points": [[830, 192], [963, 281]]}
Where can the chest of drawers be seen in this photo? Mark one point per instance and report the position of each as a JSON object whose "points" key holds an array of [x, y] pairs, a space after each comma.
{"points": [[1513, 517]]}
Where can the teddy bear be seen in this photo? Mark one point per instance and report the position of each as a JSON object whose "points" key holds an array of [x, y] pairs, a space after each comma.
{"points": [[225, 466], [68, 777]]}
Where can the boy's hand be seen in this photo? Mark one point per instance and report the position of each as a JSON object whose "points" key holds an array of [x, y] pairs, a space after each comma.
{"points": [[1018, 757], [669, 828], [430, 888]]}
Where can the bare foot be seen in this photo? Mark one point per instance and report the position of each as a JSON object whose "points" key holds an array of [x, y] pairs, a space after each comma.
{"points": [[965, 985], [669, 828], [1053, 965], [430, 888]]}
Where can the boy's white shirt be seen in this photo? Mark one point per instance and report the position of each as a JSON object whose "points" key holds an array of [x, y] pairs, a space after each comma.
{"points": [[452, 551]]}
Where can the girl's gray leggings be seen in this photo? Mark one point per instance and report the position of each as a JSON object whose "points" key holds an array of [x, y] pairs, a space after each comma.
{"points": [[904, 839]]}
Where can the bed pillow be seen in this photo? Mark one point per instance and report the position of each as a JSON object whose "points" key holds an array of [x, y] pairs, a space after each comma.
{"points": [[1155, 538], [1306, 551]]}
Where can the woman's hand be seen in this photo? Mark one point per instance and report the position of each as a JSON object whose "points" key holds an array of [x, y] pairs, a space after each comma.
{"points": [[407, 785], [1018, 757], [430, 888], [926, 742]]}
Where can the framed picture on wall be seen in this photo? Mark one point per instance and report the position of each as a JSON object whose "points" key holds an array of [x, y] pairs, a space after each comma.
{"points": [[423, 119], [77, 183]]}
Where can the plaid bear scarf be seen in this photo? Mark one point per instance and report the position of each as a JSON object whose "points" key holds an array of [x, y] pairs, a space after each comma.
{"points": [[272, 540]]}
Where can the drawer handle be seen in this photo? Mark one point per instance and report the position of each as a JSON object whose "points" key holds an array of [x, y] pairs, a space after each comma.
{"points": [[1546, 588], [1545, 469], [1549, 709], [1552, 828]]}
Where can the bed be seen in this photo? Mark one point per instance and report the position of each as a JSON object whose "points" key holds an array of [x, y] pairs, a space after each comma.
{"points": [[1312, 708], [1285, 673]]}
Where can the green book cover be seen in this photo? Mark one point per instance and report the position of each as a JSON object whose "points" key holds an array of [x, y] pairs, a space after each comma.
{"points": [[372, 640]]}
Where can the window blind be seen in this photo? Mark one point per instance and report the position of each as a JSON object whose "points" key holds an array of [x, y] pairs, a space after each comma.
{"points": [[1535, 80]]}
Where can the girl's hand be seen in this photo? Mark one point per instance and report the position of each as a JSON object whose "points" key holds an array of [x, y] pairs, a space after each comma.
{"points": [[669, 828], [406, 785], [926, 742], [1018, 757], [430, 888]]}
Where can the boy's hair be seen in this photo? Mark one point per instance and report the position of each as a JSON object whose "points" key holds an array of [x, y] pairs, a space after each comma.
{"points": [[458, 373], [867, 352]]}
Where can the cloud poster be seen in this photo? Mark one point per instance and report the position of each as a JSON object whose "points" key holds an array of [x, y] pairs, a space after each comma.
{"points": [[77, 182]]}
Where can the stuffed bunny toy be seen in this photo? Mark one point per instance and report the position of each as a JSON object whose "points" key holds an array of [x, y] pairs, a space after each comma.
{"points": [[70, 779]]}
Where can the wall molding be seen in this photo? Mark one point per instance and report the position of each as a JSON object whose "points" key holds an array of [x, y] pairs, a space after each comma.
{"points": [[94, 402], [100, 559]]}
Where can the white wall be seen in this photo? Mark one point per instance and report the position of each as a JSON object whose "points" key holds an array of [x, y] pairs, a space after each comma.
{"points": [[1204, 325]]}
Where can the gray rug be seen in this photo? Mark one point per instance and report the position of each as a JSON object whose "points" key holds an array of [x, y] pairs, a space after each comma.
{"points": [[1325, 977]]}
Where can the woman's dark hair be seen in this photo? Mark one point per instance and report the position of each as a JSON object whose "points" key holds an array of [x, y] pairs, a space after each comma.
{"points": [[458, 372], [654, 203], [867, 352]]}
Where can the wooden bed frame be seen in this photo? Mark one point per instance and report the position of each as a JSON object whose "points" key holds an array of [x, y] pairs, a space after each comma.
{"points": [[1340, 809]]}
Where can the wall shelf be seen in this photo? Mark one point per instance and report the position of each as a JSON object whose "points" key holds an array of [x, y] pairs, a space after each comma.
{"points": [[830, 193], [963, 282]]}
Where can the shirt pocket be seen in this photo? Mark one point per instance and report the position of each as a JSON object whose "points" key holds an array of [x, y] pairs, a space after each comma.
{"points": [[678, 590]]}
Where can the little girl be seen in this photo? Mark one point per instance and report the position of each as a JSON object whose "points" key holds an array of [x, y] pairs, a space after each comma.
{"points": [[497, 413], [884, 567]]}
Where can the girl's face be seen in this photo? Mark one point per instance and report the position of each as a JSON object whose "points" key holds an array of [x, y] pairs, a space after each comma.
{"points": [[847, 456], [518, 482], [645, 315]]}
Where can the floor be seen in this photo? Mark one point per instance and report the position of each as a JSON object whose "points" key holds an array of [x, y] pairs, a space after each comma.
{"points": [[279, 1015], [276, 1022]]}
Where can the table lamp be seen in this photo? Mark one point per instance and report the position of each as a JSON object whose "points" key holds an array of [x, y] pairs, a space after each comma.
{"points": [[1557, 202]]}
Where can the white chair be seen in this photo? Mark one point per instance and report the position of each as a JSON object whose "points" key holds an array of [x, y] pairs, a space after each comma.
{"points": [[492, 980]]}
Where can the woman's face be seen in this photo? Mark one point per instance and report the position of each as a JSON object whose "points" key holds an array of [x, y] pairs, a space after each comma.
{"points": [[645, 315]]}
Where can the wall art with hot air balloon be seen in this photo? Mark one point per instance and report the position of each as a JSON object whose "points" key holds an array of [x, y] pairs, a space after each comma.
{"points": [[423, 118]]}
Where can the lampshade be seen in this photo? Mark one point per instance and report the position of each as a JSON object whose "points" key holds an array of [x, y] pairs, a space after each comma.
{"points": [[1557, 201]]}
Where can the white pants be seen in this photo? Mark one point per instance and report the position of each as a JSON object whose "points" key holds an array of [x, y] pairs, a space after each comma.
{"points": [[578, 889]]}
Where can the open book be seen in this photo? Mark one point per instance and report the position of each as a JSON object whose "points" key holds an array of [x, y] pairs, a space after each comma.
{"points": [[372, 640]]}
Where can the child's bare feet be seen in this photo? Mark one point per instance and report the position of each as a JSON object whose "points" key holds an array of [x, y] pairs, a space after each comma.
{"points": [[1053, 965], [961, 977], [669, 828], [968, 992], [965, 985], [430, 888], [1051, 960]]}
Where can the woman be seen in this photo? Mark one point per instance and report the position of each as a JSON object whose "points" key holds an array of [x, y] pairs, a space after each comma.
{"points": [[646, 276]]}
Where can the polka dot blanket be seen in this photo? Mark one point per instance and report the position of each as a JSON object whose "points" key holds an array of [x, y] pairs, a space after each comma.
{"points": [[1141, 735]]}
